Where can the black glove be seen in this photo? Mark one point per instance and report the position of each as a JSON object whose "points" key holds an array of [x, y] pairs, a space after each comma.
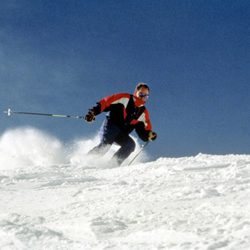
{"points": [[152, 136], [90, 117]]}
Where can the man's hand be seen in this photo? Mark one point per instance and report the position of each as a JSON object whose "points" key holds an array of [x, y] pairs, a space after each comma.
{"points": [[152, 136], [90, 117]]}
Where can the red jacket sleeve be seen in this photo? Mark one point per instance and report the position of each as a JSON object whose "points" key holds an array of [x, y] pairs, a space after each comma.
{"points": [[122, 98]]}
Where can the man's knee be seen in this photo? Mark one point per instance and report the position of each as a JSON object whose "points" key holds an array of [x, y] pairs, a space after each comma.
{"points": [[126, 149], [130, 145]]}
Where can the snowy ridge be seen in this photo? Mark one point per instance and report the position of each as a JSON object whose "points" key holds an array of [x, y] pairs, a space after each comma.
{"points": [[59, 202]]}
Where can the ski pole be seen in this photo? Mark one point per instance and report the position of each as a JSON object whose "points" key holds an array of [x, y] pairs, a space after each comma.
{"points": [[143, 146], [9, 112]]}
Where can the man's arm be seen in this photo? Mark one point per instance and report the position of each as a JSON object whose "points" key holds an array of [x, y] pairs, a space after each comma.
{"points": [[105, 103], [144, 127]]}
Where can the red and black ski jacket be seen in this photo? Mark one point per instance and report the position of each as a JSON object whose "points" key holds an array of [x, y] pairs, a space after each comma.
{"points": [[127, 112]]}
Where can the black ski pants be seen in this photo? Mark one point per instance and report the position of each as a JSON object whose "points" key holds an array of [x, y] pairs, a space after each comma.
{"points": [[111, 133]]}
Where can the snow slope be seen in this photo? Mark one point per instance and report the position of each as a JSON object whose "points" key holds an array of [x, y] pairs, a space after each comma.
{"points": [[53, 196]]}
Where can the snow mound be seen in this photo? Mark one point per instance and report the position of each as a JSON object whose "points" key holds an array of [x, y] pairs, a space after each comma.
{"points": [[199, 202]]}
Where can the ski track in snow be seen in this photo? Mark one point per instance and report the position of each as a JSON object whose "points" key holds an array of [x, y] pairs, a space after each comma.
{"points": [[199, 202]]}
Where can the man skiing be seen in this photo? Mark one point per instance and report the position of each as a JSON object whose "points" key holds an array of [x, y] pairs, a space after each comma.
{"points": [[126, 113]]}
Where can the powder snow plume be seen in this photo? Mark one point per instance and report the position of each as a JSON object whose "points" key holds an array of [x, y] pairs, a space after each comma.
{"points": [[27, 146]]}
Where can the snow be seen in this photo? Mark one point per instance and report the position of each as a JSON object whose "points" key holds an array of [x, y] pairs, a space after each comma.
{"points": [[53, 196]]}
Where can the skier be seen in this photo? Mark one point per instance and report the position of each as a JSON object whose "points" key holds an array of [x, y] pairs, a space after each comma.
{"points": [[126, 113]]}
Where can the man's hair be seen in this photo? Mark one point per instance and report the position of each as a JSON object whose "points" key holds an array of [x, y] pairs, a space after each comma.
{"points": [[141, 85]]}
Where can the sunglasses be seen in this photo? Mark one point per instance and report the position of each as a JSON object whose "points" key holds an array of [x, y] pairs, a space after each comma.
{"points": [[142, 95]]}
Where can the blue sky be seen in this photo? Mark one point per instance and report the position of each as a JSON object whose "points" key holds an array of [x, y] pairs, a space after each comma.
{"points": [[63, 56]]}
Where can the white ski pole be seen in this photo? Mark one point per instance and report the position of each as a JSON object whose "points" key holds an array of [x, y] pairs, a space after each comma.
{"points": [[143, 146], [9, 112]]}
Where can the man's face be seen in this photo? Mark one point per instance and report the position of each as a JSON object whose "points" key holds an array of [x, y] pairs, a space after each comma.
{"points": [[142, 93]]}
